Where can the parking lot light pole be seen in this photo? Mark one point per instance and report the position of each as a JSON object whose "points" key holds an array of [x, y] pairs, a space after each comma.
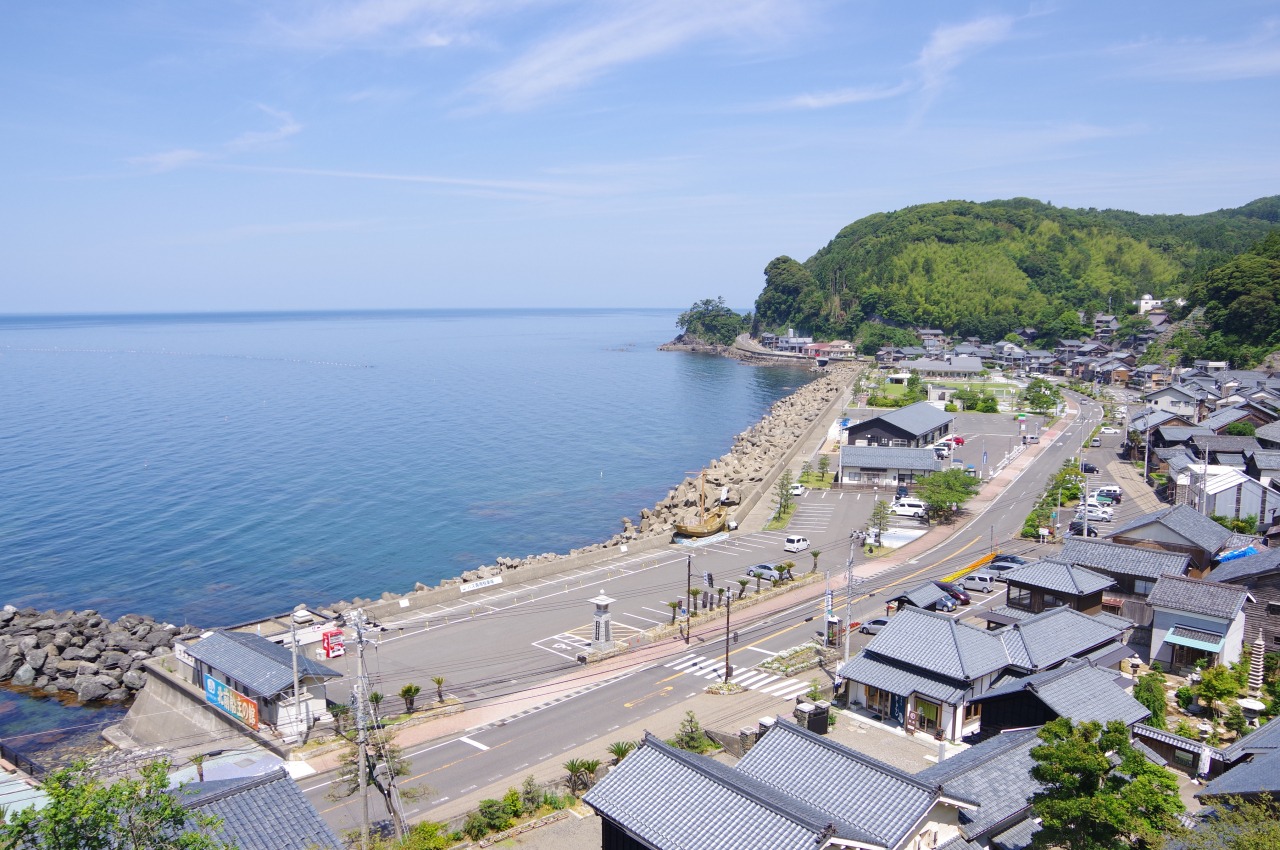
{"points": [[688, 600]]}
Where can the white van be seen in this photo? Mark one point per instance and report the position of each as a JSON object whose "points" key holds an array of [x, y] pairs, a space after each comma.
{"points": [[1111, 491], [909, 507], [795, 543], [981, 581]]}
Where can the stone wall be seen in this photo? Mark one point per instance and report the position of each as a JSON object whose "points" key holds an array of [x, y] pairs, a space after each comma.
{"points": [[81, 652]]}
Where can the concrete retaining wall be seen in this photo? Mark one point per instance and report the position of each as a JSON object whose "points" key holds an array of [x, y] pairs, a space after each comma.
{"points": [[171, 713]]}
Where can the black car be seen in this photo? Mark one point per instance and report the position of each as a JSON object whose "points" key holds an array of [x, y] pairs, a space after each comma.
{"points": [[1088, 468], [1009, 559], [957, 592], [1077, 528], [903, 492]]}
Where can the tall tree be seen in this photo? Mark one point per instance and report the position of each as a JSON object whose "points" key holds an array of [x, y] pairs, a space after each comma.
{"points": [[711, 320], [130, 814], [1236, 824], [1089, 803]]}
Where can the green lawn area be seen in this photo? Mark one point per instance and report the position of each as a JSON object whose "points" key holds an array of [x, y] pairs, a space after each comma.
{"points": [[997, 390], [816, 481], [780, 520]]}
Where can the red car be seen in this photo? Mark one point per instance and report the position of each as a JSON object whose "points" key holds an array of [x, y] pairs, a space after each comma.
{"points": [[957, 439]]}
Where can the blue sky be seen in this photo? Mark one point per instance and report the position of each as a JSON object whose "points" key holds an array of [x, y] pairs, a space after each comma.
{"points": [[301, 154]]}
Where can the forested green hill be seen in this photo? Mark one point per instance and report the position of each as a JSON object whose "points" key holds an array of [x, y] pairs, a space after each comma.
{"points": [[987, 269]]}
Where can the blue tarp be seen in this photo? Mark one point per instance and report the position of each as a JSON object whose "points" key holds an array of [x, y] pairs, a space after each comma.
{"points": [[1237, 553]]}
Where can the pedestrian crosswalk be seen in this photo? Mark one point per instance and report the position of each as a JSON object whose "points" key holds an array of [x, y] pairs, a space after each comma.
{"points": [[705, 667]]}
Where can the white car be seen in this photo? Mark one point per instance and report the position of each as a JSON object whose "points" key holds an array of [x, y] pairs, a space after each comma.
{"points": [[1108, 430], [1095, 514], [909, 507], [798, 490]]}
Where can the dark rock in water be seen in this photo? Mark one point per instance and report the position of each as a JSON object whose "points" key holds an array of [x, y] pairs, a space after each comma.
{"points": [[90, 689], [8, 663], [70, 668], [117, 695], [134, 679], [46, 623], [87, 668], [25, 676]]}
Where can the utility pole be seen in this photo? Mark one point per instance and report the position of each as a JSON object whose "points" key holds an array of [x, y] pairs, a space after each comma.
{"points": [[688, 597], [848, 602], [728, 604], [293, 634], [360, 695]]}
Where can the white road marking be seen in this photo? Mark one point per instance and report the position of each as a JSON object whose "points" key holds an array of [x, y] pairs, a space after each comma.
{"points": [[476, 744]]}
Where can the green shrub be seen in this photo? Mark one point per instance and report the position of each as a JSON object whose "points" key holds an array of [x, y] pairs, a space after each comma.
{"points": [[1185, 696]]}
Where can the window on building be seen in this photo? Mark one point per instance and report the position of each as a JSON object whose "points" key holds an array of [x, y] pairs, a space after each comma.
{"points": [[1143, 586], [1020, 597], [1052, 601], [1182, 758], [1273, 608], [972, 712]]}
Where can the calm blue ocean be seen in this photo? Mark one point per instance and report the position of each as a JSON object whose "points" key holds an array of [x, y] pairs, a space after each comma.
{"points": [[214, 468]]}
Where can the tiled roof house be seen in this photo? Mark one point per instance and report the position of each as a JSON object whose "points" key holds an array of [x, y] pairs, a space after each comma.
{"points": [[1178, 529], [794, 790], [1195, 620], [265, 812]]}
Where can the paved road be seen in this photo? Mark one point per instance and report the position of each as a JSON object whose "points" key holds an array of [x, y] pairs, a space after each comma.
{"points": [[506, 644]]}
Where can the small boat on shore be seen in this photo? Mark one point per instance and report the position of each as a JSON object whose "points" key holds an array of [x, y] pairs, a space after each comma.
{"points": [[712, 523], [708, 523]]}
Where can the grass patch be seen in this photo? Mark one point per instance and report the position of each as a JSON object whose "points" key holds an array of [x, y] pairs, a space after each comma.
{"points": [[781, 519], [817, 481]]}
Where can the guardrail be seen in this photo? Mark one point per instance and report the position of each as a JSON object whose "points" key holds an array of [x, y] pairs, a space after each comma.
{"points": [[21, 762]]}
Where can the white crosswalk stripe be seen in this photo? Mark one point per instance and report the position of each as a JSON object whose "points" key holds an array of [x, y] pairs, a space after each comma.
{"points": [[705, 667]]}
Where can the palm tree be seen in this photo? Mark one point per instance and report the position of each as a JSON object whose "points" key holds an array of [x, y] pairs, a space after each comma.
{"points": [[438, 681], [787, 567], [719, 596], [375, 700], [815, 553], [620, 749], [198, 761], [409, 693], [694, 592], [589, 768], [339, 712], [742, 585], [758, 577], [576, 769], [674, 606]]}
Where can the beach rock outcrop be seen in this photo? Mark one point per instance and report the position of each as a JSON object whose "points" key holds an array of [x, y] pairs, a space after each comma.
{"points": [[80, 651]]}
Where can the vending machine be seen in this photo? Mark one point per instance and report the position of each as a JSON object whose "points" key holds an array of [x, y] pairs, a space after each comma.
{"points": [[332, 644]]}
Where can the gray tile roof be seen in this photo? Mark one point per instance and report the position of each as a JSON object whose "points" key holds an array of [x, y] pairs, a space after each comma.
{"points": [[1150, 418], [887, 457], [1168, 738], [1184, 521], [1181, 433], [1054, 636], [1269, 432], [1224, 443], [1077, 690], [938, 644], [997, 774], [1012, 613], [1017, 837], [1223, 418], [1196, 596], [1059, 578], [1265, 738], [264, 668], [1266, 561], [265, 812], [1266, 458], [1119, 559], [873, 797], [1260, 775], [897, 678], [1196, 634], [668, 798], [958, 843], [919, 418], [925, 595]]}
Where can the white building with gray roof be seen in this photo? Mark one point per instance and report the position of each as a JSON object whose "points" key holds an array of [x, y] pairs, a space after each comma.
{"points": [[1196, 620]]}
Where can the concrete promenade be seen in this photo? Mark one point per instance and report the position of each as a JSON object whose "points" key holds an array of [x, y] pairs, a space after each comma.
{"points": [[719, 712]]}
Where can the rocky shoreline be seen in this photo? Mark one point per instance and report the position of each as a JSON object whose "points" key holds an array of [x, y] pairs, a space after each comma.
{"points": [[96, 659], [81, 652]]}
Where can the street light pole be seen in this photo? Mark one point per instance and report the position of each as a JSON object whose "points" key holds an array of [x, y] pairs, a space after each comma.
{"points": [[688, 598]]}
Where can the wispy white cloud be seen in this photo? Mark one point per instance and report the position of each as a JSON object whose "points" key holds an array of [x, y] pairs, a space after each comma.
{"points": [[632, 33], [385, 24], [252, 140], [951, 45], [947, 48], [840, 97], [493, 186], [1248, 58]]}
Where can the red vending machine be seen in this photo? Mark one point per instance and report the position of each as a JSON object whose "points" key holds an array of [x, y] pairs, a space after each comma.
{"points": [[332, 644]]}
